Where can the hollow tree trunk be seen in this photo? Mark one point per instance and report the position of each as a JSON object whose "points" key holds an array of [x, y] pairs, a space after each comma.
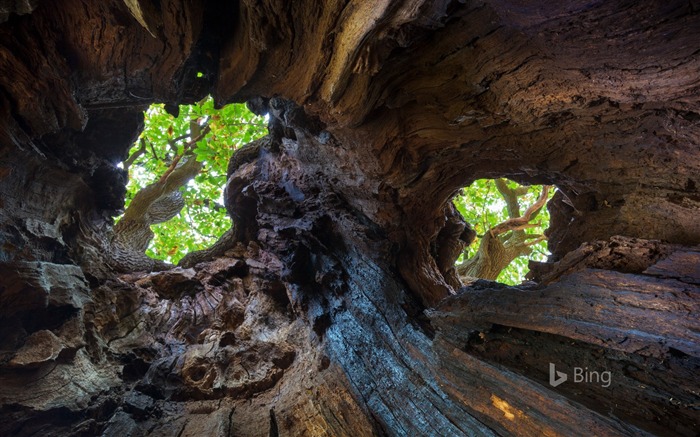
{"points": [[336, 313]]}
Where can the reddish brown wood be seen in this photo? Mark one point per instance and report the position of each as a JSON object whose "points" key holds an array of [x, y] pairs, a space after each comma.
{"points": [[379, 113]]}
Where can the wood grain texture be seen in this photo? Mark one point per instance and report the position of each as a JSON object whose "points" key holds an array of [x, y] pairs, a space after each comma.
{"points": [[315, 322]]}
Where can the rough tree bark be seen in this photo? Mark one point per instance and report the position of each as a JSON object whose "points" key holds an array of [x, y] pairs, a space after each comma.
{"points": [[337, 311]]}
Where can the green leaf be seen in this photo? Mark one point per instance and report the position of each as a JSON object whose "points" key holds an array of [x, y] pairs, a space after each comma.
{"points": [[197, 226]]}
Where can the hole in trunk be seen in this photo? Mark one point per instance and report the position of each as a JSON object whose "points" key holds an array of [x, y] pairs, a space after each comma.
{"points": [[509, 220], [177, 172]]}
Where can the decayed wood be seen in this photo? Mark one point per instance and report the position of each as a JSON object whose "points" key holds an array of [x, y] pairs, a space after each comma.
{"points": [[598, 321], [681, 264], [379, 113]]}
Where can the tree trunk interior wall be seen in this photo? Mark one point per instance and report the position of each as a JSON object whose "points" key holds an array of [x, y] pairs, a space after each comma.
{"points": [[337, 312]]}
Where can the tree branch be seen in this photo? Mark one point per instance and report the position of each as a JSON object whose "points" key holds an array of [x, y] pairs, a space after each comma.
{"points": [[188, 146], [518, 222], [141, 150], [510, 196]]}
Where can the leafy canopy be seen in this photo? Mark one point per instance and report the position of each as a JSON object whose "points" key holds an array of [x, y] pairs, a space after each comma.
{"points": [[203, 219], [483, 207]]}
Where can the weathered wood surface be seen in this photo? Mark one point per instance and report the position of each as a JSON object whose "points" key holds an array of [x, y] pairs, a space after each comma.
{"points": [[379, 112], [636, 327]]}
